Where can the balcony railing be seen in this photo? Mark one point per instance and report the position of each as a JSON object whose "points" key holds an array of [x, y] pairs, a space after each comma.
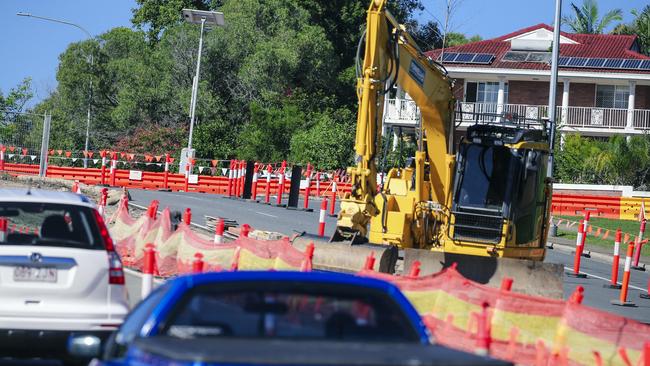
{"points": [[405, 112]]}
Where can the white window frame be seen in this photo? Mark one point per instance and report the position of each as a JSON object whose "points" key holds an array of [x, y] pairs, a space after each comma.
{"points": [[619, 90], [505, 91]]}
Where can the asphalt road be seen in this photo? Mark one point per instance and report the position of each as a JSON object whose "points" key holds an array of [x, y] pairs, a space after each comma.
{"points": [[265, 217]]}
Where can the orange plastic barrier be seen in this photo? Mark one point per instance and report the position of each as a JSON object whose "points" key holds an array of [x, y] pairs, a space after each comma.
{"points": [[576, 205], [527, 330]]}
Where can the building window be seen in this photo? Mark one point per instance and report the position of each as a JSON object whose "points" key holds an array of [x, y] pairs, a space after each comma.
{"points": [[612, 96], [485, 92]]}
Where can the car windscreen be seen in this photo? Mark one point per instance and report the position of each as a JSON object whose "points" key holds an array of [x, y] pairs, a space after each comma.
{"points": [[294, 310], [50, 224]]}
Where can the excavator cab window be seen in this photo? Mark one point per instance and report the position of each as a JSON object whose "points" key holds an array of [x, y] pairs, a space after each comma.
{"points": [[528, 202], [484, 177]]}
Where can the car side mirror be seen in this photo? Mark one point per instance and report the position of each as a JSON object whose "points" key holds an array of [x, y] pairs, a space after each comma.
{"points": [[84, 346]]}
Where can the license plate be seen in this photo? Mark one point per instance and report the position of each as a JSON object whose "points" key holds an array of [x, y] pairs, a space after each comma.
{"points": [[34, 274]]}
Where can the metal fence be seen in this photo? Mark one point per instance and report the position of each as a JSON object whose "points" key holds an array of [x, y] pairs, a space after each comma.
{"points": [[24, 137]]}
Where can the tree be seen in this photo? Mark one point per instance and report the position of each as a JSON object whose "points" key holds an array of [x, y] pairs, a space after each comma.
{"points": [[329, 143], [640, 27], [586, 18], [458, 39], [17, 97], [428, 36]]}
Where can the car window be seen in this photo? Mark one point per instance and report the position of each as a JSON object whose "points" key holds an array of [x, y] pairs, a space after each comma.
{"points": [[366, 315], [50, 224], [117, 346]]}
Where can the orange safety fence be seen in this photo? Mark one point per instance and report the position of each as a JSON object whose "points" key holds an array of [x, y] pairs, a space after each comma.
{"points": [[156, 180], [176, 251], [527, 330]]}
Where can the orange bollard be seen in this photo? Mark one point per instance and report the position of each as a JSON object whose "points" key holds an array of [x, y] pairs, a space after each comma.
{"points": [[3, 229], [166, 172], [218, 231], [230, 177], [318, 184], [622, 300], [615, 260], [187, 218], [483, 337], [638, 246], [307, 189], [415, 269], [333, 196], [280, 190], [306, 265], [370, 262], [242, 178], [580, 241], [148, 270], [506, 284], [2, 157], [197, 264], [102, 201], [245, 230], [113, 170], [102, 178], [578, 295], [646, 354], [267, 193], [321, 218]]}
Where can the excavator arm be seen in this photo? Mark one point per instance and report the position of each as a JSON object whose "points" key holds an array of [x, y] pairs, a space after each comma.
{"points": [[392, 56]]}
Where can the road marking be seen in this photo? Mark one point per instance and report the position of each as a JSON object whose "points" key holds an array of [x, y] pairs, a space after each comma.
{"points": [[605, 279], [265, 214]]}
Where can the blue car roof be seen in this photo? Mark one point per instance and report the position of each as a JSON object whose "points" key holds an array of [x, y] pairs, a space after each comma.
{"points": [[177, 287]]}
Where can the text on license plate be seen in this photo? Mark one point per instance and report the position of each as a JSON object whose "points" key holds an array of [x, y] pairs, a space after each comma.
{"points": [[35, 274]]}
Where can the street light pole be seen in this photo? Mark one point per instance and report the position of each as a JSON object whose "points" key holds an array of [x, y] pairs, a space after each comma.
{"points": [[195, 87], [85, 160], [552, 115], [205, 18]]}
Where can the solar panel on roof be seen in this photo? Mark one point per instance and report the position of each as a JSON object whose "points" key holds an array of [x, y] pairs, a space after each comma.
{"points": [[645, 65], [449, 57], [577, 62], [482, 58], [631, 64], [612, 63], [595, 62], [562, 61], [464, 57]]}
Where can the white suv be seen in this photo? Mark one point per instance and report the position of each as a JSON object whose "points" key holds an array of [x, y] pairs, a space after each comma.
{"points": [[59, 272]]}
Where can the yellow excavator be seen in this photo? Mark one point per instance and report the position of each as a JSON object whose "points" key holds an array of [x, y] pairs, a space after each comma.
{"points": [[481, 202]]}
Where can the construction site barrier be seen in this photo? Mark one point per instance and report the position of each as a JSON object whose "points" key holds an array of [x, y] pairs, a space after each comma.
{"points": [[527, 330], [175, 251], [164, 180]]}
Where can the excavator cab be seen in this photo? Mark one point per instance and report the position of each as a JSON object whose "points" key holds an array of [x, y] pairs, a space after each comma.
{"points": [[500, 190]]}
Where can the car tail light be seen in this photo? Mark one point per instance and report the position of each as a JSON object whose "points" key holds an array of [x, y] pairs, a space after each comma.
{"points": [[115, 269]]}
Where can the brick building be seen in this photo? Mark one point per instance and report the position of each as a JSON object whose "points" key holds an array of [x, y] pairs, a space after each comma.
{"points": [[603, 89]]}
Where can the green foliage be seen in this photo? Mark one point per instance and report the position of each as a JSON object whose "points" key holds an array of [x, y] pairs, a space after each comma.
{"points": [[17, 97], [458, 39], [640, 27], [329, 143], [276, 81], [621, 161], [587, 20], [268, 135]]}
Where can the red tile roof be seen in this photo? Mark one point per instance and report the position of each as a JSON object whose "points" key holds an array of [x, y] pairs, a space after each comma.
{"points": [[588, 45]]}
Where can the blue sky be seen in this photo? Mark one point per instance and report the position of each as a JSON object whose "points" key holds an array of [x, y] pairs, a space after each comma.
{"points": [[31, 47]]}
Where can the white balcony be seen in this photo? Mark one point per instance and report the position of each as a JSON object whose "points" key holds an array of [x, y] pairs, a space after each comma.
{"points": [[589, 120]]}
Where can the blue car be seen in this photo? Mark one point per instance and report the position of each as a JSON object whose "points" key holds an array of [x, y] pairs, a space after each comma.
{"points": [[272, 318]]}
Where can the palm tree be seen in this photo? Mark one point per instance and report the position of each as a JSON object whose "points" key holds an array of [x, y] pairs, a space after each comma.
{"points": [[586, 18]]}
